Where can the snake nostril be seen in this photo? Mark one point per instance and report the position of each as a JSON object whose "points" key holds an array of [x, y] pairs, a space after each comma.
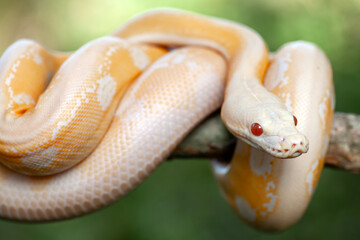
{"points": [[286, 150], [301, 143], [278, 150], [294, 145]]}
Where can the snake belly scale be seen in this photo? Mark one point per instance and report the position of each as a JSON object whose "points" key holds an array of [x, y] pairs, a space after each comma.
{"points": [[73, 126]]}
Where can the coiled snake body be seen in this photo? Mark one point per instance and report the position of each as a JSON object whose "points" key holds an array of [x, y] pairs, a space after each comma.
{"points": [[73, 127]]}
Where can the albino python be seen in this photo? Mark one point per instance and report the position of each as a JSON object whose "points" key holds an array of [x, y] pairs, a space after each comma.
{"points": [[67, 146]]}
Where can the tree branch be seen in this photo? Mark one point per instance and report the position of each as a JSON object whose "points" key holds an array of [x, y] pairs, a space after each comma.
{"points": [[211, 140]]}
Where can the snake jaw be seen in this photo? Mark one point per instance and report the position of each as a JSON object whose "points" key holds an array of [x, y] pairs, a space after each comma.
{"points": [[289, 146]]}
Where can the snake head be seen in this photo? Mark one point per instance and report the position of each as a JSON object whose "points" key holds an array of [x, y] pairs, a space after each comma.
{"points": [[276, 133]]}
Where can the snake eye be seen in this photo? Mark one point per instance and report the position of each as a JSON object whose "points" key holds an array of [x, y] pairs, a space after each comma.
{"points": [[256, 129], [295, 120]]}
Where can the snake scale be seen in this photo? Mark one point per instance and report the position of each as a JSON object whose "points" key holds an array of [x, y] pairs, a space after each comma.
{"points": [[80, 130]]}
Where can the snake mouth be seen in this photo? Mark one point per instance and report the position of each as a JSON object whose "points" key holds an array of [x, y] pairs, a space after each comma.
{"points": [[288, 153], [289, 147]]}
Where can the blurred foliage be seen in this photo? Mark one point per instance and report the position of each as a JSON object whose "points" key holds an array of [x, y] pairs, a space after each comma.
{"points": [[181, 200]]}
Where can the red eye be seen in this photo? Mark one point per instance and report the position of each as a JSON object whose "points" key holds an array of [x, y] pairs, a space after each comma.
{"points": [[256, 129], [295, 120]]}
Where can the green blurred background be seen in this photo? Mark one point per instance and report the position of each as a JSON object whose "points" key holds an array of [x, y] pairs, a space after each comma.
{"points": [[180, 200]]}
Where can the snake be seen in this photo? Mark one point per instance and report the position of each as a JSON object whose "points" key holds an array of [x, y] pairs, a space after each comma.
{"points": [[80, 130]]}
